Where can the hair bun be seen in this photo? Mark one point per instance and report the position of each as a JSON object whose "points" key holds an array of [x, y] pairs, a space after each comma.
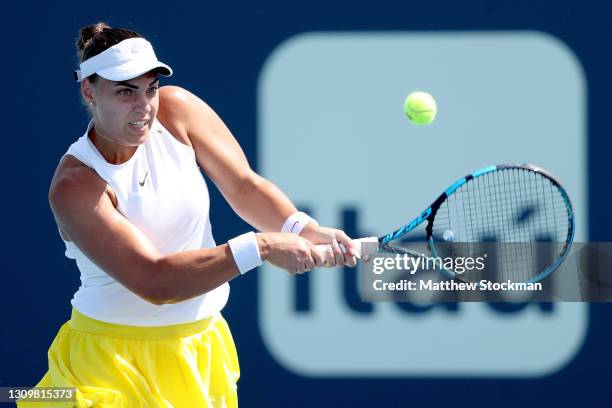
{"points": [[86, 34], [98, 37]]}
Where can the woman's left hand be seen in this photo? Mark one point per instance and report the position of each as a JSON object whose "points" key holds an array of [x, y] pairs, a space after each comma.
{"points": [[332, 237]]}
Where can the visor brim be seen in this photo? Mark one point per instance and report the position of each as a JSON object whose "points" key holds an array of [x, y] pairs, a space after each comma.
{"points": [[134, 69]]}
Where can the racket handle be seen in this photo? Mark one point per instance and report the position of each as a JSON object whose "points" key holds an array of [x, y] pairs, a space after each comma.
{"points": [[326, 248]]}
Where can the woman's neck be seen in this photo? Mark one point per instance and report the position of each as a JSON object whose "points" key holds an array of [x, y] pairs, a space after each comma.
{"points": [[112, 152]]}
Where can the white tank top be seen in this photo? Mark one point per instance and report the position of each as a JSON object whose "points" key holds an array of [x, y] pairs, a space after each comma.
{"points": [[161, 191]]}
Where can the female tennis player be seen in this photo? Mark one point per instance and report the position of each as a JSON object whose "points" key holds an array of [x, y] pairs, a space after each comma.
{"points": [[133, 209]]}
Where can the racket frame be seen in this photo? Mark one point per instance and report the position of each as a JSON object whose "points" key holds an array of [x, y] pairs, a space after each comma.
{"points": [[430, 213]]}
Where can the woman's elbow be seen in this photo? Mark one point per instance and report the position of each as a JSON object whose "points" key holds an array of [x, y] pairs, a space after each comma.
{"points": [[152, 288]]}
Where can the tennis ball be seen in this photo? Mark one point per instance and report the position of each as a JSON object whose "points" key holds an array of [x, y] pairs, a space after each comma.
{"points": [[420, 108]]}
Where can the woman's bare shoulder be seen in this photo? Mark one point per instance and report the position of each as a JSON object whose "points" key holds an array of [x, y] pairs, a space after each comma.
{"points": [[76, 188], [173, 112]]}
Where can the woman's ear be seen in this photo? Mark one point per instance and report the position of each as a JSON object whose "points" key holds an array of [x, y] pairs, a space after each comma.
{"points": [[87, 92]]}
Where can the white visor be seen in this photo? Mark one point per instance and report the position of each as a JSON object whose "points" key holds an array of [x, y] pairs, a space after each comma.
{"points": [[126, 60]]}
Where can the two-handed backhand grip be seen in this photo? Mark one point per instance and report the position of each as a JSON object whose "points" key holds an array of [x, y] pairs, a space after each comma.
{"points": [[326, 248]]}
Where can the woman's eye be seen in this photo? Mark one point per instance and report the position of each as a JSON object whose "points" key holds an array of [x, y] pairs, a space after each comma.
{"points": [[153, 89], [124, 92]]}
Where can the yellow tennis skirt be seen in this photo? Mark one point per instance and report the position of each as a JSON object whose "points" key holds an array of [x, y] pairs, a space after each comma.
{"points": [[114, 366]]}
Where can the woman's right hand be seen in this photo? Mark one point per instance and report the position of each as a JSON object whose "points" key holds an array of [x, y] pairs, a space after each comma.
{"points": [[291, 252]]}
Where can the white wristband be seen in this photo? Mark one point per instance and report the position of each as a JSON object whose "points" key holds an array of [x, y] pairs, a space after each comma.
{"points": [[245, 251], [296, 222]]}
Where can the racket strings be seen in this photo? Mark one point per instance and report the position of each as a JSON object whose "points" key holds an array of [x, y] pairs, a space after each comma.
{"points": [[518, 215], [476, 216]]}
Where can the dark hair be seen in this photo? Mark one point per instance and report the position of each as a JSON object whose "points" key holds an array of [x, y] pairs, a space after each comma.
{"points": [[95, 38]]}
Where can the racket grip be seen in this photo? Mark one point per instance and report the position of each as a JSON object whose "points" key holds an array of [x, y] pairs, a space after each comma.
{"points": [[325, 249]]}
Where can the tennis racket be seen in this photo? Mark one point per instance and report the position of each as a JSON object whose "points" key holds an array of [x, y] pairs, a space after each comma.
{"points": [[519, 215]]}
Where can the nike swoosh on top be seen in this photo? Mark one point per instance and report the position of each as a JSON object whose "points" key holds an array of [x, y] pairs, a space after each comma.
{"points": [[141, 183]]}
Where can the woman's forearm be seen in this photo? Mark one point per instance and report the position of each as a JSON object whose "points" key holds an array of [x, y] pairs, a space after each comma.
{"points": [[184, 275], [188, 274], [262, 205]]}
